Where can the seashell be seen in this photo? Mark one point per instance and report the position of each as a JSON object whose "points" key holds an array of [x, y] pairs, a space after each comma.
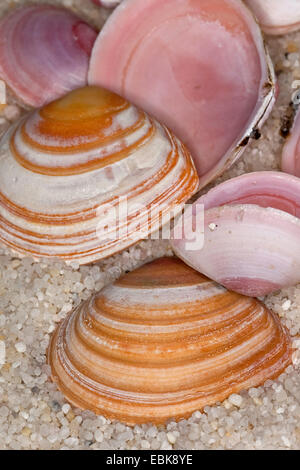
{"points": [[163, 342], [290, 162], [214, 98], [107, 3], [44, 52], [251, 233], [87, 176], [276, 16]]}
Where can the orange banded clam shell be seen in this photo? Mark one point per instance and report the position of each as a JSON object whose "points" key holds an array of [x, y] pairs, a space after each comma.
{"points": [[163, 342]]}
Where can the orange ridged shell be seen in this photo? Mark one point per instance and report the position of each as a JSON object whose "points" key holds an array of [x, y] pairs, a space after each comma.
{"points": [[163, 342], [65, 168]]}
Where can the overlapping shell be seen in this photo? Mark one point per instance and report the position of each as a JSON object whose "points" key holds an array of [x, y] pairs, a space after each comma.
{"points": [[107, 3], [88, 175], [162, 342], [200, 67], [251, 233], [277, 16], [44, 52]]}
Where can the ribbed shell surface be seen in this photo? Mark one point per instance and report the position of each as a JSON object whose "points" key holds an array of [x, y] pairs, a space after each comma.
{"points": [[66, 169], [44, 52], [163, 342]]}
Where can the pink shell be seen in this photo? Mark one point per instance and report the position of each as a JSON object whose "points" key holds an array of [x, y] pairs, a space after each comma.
{"points": [[251, 233], [290, 162], [198, 66], [44, 52], [263, 188], [276, 16]]}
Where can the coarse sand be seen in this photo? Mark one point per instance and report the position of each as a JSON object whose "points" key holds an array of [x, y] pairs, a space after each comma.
{"points": [[34, 297]]}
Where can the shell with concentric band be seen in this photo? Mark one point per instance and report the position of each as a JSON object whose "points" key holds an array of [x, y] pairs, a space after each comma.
{"points": [[87, 176], [162, 342], [44, 52]]}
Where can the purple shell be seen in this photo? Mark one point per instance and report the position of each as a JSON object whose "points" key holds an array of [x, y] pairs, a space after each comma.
{"points": [[44, 52]]}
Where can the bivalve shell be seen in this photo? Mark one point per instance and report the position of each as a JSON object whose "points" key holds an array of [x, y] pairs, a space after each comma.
{"points": [[290, 162], [162, 342], [200, 67], [276, 16], [251, 233], [87, 176], [44, 52]]}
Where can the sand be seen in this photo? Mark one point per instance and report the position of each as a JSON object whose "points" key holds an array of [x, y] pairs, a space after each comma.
{"points": [[34, 297]]}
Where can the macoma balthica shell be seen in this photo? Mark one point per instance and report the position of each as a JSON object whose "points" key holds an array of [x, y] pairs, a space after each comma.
{"points": [[251, 233], [290, 162], [198, 66]]}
